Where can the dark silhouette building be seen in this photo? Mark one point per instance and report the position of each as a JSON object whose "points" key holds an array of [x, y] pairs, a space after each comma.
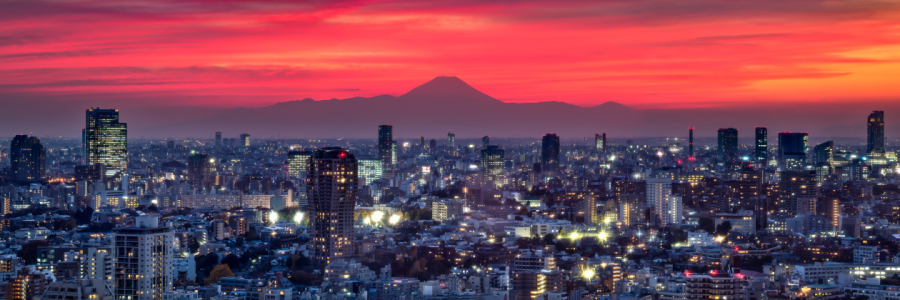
{"points": [[550, 155], [385, 145], [875, 132], [218, 139], [793, 150], [27, 159], [824, 153], [761, 153], [485, 142], [728, 146], [105, 140], [199, 170], [332, 188]]}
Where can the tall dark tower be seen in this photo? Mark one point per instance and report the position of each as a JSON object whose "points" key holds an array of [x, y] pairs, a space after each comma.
{"points": [[761, 154], [691, 143], [218, 139], [451, 141], [604, 142], [422, 143], [199, 168], [550, 154], [105, 140], [793, 150], [875, 136], [728, 146], [432, 145], [27, 159], [333, 177], [492, 165], [598, 143], [485, 142], [385, 145]]}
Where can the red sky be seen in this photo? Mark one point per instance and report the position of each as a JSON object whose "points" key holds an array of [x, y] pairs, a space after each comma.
{"points": [[645, 54]]}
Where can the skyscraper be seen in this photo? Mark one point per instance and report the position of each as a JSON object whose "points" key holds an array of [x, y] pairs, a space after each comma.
{"points": [[432, 145], [199, 170], [385, 145], [604, 142], [333, 174], [550, 155], [875, 132], [728, 146], [144, 256], [667, 207], [485, 142], [218, 139], [297, 163], [27, 159], [598, 143], [793, 150], [795, 189], [492, 165], [451, 141], [422, 143], [691, 143], [105, 140], [824, 153], [761, 155], [370, 169], [245, 140]]}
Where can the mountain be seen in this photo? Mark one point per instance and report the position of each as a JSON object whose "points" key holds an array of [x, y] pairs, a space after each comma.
{"points": [[443, 104]]}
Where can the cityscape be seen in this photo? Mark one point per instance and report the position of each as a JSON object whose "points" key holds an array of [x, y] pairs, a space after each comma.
{"points": [[176, 150]]}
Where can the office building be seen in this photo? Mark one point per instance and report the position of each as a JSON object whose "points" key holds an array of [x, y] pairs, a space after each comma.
{"points": [[79, 289], [245, 140], [386, 145], [485, 142], [691, 143], [550, 155], [793, 150], [492, 165], [199, 170], [333, 183], [370, 170], [27, 159], [715, 285], [667, 207], [761, 153], [451, 141], [297, 162], [728, 146], [144, 257], [432, 145], [105, 140], [598, 143], [875, 132], [824, 153], [218, 139], [798, 192]]}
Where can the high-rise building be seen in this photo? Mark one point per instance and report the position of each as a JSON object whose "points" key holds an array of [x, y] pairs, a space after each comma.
{"points": [[793, 150], [245, 140], [144, 256], [385, 145], [218, 139], [422, 143], [485, 142], [550, 155], [875, 132], [395, 150], [691, 143], [604, 142], [667, 207], [761, 155], [492, 165], [598, 143], [824, 153], [795, 189], [297, 163], [27, 159], [714, 285], [199, 170], [432, 145], [728, 146], [370, 170], [333, 183], [451, 141], [105, 140]]}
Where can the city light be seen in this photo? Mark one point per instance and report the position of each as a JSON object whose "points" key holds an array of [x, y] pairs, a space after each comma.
{"points": [[377, 215], [394, 219], [298, 217], [588, 274], [273, 217]]}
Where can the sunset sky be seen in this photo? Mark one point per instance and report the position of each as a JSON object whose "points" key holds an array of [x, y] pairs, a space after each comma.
{"points": [[644, 54]]}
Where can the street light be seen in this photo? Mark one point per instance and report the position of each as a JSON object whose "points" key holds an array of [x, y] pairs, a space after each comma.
{"points": [[273, 217], [394, 219]]}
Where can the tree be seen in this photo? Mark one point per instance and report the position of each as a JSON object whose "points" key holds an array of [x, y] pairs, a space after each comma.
{"points": [[153, 208], [706, 224], [232, 261], [29, 251], [549, 239], [723, 228], [218, 272]]}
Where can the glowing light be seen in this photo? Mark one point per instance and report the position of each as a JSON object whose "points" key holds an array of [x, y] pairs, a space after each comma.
{"points": [[273, 217], [659, 153], [298, 217], [603, 235], [376, 216], [573, 235], [394, 219], [612, 158], [588, 274], [745, 158], [720, 239], [713, 272], [367, 221]]}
